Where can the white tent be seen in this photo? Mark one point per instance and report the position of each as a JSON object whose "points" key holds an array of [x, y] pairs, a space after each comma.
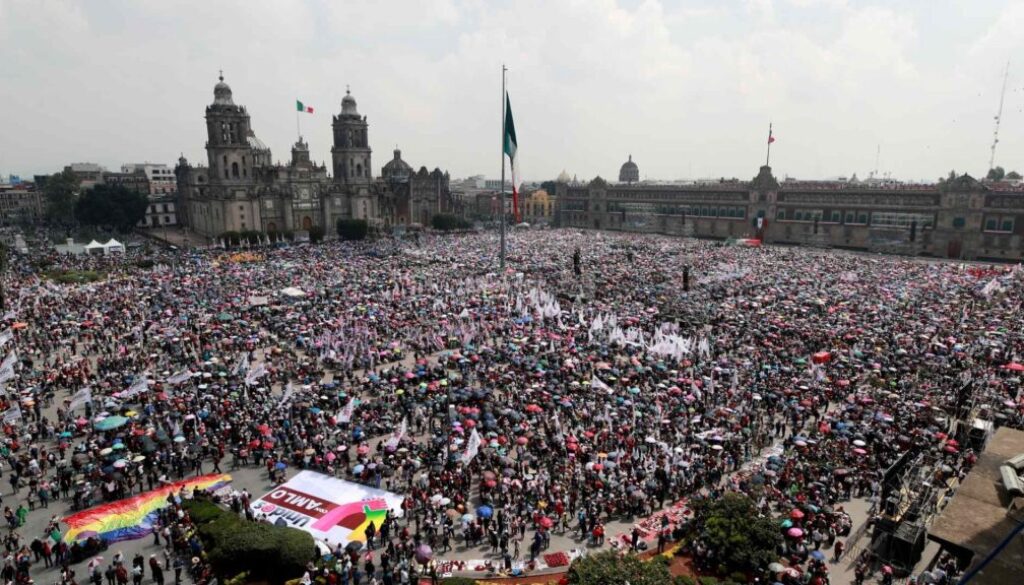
{"points": [[94, 247], [291, 291], [113, 246]]}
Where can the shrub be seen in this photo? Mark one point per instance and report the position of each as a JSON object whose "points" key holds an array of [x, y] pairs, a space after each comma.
{"points": [[232, 238], [684, 580], [738, 577], [73, 276], [352, 229], [316, 234], [203, 511], [606, 568], [708, 580], [145, 263], [446, 223]]}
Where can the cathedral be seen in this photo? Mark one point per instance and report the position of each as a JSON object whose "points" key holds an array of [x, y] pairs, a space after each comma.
{"points": [[241, 189]]}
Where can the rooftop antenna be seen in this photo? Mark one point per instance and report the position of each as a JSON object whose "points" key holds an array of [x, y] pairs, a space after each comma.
{"points": [[878, 154], [999, 118]]}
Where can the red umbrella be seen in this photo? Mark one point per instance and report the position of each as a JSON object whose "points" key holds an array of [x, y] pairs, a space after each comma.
{"points": [[545, 522], [1014, 367], [796, 514], [521, 440]]}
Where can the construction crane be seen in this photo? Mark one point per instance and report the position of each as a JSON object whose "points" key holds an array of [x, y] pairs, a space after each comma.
{"points": [[999, 118]]}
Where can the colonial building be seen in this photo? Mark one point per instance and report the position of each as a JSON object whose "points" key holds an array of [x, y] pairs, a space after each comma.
{"points": [[161, 177], [20, 204], [538, 208], [239, 189], [959, 218]]}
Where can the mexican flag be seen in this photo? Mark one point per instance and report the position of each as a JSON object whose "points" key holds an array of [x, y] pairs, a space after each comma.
{"points": [[510, 150], [301, 107]]}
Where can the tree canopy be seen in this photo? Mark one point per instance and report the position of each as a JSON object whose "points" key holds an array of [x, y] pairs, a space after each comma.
{"points": [[61, 191], [111, 207], [607, 568], [1013, 176], [352, 229], [996, 174], [742, 538]]}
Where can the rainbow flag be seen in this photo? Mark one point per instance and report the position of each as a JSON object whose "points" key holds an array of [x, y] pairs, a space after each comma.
{"points": [[133, 518]]}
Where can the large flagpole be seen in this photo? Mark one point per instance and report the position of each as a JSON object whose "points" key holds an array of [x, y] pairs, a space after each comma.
{"points": [[769, 155], [502, 149]]}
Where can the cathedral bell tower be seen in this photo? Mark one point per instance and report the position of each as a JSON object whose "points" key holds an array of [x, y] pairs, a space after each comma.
{"points": [[227, 144], [351, 151]]}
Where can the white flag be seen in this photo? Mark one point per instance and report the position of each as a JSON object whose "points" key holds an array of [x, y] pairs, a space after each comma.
{"points": [[472, 447], [6, 336], [11, 360], [241, 365], [140, 385], [80, 398], [597, 384], [397, 437], [255, 374], [345, 414], [287, 395], [6, 373], [12, 414], [180, 377]]}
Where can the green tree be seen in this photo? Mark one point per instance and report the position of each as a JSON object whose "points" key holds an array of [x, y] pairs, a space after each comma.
{"points": [[352, 229], [446, 223], [111, 207], [1013, 176], [743, 539], [996, 174], [607, 568], [61, 192]]}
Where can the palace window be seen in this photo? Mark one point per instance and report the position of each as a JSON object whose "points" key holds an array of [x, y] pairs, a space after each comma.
{"points": [[999, 223], [894, 219]]}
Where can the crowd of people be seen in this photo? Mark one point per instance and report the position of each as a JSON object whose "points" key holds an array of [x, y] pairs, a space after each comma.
{"points": [[507, 406]]}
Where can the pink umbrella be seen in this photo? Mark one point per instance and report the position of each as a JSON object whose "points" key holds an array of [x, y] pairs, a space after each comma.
{"points": [[795, 532]]}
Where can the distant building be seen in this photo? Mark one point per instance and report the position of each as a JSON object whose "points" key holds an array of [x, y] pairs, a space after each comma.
{"points": [[88, 174], [136, 181], [961, 218], [162, 211], [629, 173], [240, 189], [20, 204], [538, 208], [161, 177]]}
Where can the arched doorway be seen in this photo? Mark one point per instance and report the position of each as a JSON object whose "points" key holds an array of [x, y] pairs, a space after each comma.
{"points": [[271, 227], [307, 223]]}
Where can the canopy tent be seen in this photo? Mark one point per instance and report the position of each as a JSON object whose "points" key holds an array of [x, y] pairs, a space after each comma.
{"points": [[113, 246], [95, 247], [291, 291]]}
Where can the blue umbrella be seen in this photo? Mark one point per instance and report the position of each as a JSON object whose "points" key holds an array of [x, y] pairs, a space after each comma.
{"points": [[818, 555], [280, 465], [485, 511], [357, 469]]}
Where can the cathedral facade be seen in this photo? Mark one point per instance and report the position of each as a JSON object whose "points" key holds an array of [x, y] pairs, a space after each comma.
{"points": [[241, 189]]}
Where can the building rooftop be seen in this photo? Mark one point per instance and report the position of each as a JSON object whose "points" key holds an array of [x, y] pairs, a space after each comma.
{"points": [[977, 518]]}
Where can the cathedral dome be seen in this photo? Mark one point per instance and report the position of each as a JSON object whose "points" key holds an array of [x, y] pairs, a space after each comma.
{"points": [[348, 105], [563, 177], [222, 93], [629, 173], [396, 168]]}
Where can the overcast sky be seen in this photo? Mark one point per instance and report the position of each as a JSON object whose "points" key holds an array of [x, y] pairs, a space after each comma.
{"points": [[688, 88]]}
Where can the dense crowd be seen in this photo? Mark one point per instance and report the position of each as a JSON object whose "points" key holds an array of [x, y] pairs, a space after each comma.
{"points": [[510, 406]]}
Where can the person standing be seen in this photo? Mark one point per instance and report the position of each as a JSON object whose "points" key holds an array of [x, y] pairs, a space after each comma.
{"points": [[156, 569]]}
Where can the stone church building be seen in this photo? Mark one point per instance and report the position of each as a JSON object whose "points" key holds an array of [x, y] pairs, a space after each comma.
{"points": [[240, 189]]}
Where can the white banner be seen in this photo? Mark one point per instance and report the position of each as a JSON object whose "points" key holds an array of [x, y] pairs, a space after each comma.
{"points": [[140, 385], [80, 398], [12, 414], [345, 414], [179, 378], [330, 509], [11, 360], [397, 437], [255, 374], [6, 373], [472, 447], [289, 390], [6, 336]]}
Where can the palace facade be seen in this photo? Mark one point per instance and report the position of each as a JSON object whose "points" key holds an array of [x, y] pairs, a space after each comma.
{"points": [[959, 218], [240, 189]]}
